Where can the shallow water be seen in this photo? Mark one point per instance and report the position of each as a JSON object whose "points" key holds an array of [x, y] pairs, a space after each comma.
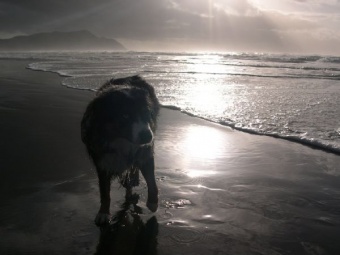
{"points": [[219, 197], [221, 192], [290, 96], [233, 193]]}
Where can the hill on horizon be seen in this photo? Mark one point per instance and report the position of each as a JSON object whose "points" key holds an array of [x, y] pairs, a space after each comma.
{"points": [[76, 40]]}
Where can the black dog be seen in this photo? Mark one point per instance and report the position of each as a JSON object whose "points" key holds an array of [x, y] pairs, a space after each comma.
{"points": [[118, 128]]}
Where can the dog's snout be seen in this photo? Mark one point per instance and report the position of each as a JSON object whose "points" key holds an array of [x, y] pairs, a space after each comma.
{"points": [[145, 136]]}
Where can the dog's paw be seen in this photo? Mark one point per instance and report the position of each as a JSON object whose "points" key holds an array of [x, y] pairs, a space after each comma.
{"points": [[152, 206], [102, 219]]}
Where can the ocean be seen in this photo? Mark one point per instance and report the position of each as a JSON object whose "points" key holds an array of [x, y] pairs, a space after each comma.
{"points": [[286, 96]]}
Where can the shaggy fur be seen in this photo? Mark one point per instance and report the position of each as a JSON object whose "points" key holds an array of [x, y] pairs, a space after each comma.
{"points": [[118, 128]]}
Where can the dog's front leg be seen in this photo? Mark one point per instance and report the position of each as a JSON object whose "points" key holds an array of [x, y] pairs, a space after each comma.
{"points": [[148, 171], [103, 216]]}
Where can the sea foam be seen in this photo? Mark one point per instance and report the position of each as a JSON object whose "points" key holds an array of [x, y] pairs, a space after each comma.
{"points": [[285, 96]]}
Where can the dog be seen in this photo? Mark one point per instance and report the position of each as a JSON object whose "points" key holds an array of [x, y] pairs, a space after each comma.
{"points": [[118, 130]]}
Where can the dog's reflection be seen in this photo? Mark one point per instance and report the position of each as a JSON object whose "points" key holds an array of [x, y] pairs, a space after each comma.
{"points": [[128, 234]]}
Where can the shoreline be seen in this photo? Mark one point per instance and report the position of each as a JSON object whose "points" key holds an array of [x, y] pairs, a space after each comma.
{"points": [[293, 139], [220, 190], [309, 142]]}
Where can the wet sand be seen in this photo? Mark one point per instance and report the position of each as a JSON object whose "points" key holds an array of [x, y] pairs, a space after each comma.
{"points": [[221, 191]]}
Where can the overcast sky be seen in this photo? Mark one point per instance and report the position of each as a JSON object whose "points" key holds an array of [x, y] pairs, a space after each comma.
{"points": [[297, 26]]}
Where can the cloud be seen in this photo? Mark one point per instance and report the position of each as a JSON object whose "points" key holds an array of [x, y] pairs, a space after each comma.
{"points": [[37, 16], [247, 25]]}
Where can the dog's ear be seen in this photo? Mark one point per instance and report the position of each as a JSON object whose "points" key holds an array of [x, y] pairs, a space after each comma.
{"points": [[141, 83]]}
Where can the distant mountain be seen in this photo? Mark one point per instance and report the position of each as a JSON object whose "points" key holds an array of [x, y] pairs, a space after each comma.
{"points": [[78, 40]]}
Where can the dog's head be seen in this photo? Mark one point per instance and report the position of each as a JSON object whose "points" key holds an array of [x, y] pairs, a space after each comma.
{"points": [[126, 113]]}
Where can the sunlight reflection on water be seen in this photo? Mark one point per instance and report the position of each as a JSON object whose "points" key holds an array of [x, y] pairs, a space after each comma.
{"points": [[293, 97], [201, 89], [202, 142], [200, 173]]}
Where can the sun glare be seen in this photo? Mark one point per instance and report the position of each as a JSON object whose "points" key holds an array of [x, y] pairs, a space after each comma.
{"points": [[202, 142], [206, 99], [208, 64], [202, 145], [204, 91]]}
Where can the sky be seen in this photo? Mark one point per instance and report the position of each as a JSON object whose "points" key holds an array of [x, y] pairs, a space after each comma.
{"points": [[282, 26]]}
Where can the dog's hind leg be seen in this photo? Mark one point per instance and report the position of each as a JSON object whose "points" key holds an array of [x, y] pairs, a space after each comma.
{"points": [[148, 171], [103, 216]]}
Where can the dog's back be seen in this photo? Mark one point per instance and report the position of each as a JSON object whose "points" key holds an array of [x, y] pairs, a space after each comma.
{"points": [[133, 81]]}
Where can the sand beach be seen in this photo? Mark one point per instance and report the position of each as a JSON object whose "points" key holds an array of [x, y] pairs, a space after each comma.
{"points": [[221, 191]]}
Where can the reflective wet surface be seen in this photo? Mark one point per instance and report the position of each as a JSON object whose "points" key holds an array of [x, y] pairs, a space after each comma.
{"points": [[233, 194], [221, 192], [224, 192]]}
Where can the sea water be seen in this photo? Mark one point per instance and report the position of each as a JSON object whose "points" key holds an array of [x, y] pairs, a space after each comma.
{"points": [[217, 195], [287, 96]]}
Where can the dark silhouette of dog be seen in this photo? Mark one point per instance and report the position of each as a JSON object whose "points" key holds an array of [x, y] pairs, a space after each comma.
{"points": [[118, 129]]}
